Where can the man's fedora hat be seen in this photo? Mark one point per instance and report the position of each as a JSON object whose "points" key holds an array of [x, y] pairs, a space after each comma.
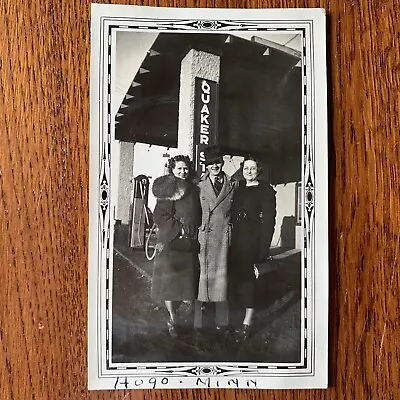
{"points": [[212, 155]]}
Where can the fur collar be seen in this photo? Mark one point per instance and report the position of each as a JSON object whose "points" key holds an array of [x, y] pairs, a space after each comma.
{"points": [[169, 187]]}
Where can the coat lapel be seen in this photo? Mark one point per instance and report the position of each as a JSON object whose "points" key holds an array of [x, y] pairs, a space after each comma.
{"points": [[226, 189], [209, 190]]}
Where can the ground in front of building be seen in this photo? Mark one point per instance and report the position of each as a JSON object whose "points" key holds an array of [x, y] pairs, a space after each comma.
{"points": [[139, 332]]}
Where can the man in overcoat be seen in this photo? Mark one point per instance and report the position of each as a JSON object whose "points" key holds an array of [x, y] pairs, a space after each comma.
{"points": [[216, 195]]}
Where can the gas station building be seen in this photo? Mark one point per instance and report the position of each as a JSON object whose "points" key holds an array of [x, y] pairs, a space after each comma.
{"points": [[196, 90]]}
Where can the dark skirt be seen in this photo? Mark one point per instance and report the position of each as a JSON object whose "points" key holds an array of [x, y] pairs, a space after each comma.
{"points": [[243, 284], [175, 276], [243, 255]]}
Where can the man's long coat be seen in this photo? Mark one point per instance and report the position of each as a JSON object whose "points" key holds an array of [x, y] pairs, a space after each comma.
{"points": [[214, 239]]}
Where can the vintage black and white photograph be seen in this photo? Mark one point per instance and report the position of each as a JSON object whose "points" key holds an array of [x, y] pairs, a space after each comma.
{"points": [[208, 249]]}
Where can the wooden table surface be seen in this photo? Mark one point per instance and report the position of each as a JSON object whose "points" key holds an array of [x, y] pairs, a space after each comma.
{"points": [[44, 159]]}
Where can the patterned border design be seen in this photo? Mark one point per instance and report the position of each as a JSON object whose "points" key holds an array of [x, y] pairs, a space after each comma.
{"points": [[104, 211]]}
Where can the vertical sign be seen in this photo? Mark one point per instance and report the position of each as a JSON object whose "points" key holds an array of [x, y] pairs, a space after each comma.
{"points": [[205, 120]]}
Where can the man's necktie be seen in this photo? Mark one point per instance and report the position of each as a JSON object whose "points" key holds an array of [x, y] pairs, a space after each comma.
{"points": [[218, 183]]}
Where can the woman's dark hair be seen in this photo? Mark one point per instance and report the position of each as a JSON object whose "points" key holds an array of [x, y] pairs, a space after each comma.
{"points": [[181, 158], [260, 168]]}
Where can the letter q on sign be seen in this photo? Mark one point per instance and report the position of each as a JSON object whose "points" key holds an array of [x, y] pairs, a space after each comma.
{"points": [[205, 87]]}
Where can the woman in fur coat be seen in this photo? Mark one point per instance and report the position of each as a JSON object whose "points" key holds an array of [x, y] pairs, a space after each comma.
{"points": [[177, 216]]}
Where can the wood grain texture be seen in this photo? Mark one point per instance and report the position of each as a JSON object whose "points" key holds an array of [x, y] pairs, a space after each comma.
{"points": [[44, 158]]}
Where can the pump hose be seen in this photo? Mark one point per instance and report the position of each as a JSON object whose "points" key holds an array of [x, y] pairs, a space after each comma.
{"points": [[144, 208]]}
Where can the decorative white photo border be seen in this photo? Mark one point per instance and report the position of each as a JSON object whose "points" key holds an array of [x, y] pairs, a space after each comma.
{"points": [[311, 372]]}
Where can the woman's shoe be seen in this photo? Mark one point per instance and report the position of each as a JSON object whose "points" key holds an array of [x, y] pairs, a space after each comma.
{"points": [[242, 333], [172, 328]]}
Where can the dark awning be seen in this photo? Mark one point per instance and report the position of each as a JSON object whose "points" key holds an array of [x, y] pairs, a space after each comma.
{"points": [[260, 97]]}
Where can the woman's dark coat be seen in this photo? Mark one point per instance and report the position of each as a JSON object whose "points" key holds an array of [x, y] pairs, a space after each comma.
{"points": [[177, 212], [253, 218]]}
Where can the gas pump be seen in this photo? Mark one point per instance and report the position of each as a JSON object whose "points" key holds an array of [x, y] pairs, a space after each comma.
{"points": [[140, 220]]}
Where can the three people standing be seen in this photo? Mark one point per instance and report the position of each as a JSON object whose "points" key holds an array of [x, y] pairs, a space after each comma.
{"points": [[234, 224]]}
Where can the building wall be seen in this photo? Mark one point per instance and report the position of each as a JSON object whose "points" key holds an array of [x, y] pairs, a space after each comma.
{"points": [[124, 201], [285, 207]]}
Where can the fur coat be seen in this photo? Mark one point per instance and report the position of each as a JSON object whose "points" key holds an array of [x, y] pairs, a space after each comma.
{"points": [[177, 212]]}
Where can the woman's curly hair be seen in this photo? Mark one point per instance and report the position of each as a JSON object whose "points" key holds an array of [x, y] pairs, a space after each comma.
{"points": [[181, 158]]}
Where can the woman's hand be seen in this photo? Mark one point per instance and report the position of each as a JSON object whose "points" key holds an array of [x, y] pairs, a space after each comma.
{"points": [[189, 230]]}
